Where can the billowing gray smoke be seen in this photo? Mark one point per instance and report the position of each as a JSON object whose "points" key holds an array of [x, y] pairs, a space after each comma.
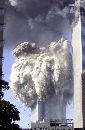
{"points": [[40, 21], [40, 72], [37, 21]]}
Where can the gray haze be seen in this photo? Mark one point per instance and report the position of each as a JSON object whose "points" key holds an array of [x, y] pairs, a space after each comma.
{"points": [[37, 21], [40, 21]]}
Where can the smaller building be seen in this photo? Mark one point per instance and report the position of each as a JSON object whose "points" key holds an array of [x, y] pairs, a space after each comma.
{"points": [[53, 125]]}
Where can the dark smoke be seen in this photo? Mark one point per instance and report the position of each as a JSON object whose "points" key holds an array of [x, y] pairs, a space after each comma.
{"points": [[37, 21], [34, 8], [40, 21]]}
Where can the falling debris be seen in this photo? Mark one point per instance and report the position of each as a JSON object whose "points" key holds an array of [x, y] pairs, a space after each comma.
{"points": [[40, 72]]}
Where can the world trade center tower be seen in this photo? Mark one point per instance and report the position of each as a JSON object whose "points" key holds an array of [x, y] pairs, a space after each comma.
{"points": [[78, 43]]}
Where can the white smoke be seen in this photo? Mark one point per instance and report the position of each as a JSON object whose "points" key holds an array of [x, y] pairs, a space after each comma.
{"points": [[39, 73], [13, 2]]}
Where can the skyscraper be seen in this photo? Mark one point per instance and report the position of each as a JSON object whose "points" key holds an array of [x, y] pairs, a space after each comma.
{"points": [[1, 34], [51, 109], [78, 65]]}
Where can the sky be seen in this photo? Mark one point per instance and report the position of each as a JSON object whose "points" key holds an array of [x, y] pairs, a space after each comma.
{"points": [[42, 23], [25, 113]]}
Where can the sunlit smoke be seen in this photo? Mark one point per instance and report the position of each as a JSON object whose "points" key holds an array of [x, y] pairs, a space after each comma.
{"points": [[40, 72], [13, 2]]}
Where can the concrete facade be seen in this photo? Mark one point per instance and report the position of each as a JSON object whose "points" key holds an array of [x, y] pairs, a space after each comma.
{"points": [[78, 65]]}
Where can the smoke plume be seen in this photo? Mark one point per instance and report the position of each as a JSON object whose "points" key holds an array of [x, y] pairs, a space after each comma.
{"points": [[41, 21], [40, 72], [37, 21]]}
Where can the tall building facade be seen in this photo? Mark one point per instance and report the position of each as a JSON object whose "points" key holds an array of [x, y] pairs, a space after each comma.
{"points": [[52, 109], [2, 3], [79, 66]]}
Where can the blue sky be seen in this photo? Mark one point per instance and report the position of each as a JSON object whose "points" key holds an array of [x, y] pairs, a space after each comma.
{"points": [[25, 113]]}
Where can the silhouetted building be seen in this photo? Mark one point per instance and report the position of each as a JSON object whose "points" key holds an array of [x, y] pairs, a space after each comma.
{"points": [[2, 3]]}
